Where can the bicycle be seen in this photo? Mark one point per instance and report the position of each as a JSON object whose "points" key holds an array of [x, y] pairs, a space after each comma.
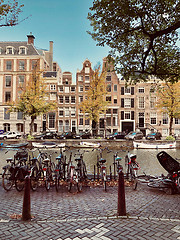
{"points": [[132, 168], [102, 167], [81, 169], [60, 170], [15, 172]]}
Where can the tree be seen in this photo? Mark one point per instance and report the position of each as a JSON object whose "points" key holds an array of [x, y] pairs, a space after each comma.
{"points": [[142, 35], [169, 101], [95, 102], [33, 101], [9, 12]]}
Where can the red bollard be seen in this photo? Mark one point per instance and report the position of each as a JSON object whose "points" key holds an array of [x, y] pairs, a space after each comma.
{"points": [[121, 195], [26, 213]]}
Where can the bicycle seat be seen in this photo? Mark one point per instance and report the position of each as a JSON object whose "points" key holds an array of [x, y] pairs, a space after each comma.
{"points": [[118, 158], [46, 160], [9, 160], [78, 159], [102, 160]]}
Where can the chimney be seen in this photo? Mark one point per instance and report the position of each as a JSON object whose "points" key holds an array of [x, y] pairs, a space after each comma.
{"points": [[51, 55], [30, 38]]}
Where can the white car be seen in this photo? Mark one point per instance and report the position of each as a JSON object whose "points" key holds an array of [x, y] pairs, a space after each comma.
{"points": [[9, 135]]}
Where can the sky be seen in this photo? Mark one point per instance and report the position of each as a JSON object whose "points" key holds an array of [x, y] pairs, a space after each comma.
{"points": [[65, 23]]}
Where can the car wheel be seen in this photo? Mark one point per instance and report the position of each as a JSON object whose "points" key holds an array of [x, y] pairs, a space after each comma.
{"points": [[41, 138], [4, 137]]}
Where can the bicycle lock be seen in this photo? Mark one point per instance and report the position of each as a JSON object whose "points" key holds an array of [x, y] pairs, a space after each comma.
{"points": [[121, 195], [26, 212]]}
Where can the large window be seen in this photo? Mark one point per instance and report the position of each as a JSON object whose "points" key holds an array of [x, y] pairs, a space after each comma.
{"points": [[127, 115], [8, 65], [141, 89], [60, 99], [127, 102], [61, 112], [86, 78], [21, 80], [73, 99], [6, 114], [51, 120], [7, 96], [177, 120], [73, 111], [153, 117], [152, 102], [165, 118], [141, 102], [21, 65], [8, 81], [66, 112], [80, 121], [66, 99], [19, 115]]}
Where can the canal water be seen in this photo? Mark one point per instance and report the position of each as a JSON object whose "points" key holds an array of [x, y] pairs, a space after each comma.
{"points": [[145, 157]]}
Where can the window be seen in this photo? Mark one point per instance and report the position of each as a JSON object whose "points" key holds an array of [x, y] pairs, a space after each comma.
{"points": [[165, 118], [108, 99], [152, 89], [152, 102], [9, 50], [34, 64], [21, 80], [115, 99], [80, 78], [52, 96], [108, 111], [19, 115], [153, 117], [7, 96], [80, 98], [61, 89], [8, 65], [127, 90], [127, 115], [73, 99], [73, 89], [21, 65], [115, 111], [108, 121], [177, 121], [51, 120], [80, 121], [73, 111], [6, 127], [22, 50], [61, 112], [60, 99], [115, 88], [66, 112], [80, 88], [86, 78], [127, 102], [108, 78], [6, 114], [8, 81], [66, 89], [87, 70], [66, 125], [141, 89], [86, 88], [108, 88], [86, 121], [53, 87], [141, 102], [66, 99], [60, 126]]}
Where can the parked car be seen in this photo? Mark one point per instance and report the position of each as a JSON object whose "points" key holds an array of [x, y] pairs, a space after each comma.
{"points": [[66, 135], [154, 136], [83, 135], [134, 135], [45, 135], [9, 135], [116, 135]]}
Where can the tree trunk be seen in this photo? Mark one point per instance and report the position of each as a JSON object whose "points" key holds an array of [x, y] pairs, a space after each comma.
{"points": [[170, 125], [31, 125]]}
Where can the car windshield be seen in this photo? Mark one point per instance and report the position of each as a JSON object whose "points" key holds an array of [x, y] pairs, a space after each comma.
{"points": [[152, 134], [134, 133]]}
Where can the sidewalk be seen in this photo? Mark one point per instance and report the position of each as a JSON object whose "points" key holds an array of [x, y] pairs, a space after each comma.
{"points": [[91, 214]]}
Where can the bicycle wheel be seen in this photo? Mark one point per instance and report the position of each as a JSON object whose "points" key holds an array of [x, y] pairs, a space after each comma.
{"points": [[79, 186], [70, 186], [105, 185], [57, 183], [34, 179], [7, 182], [19, 181], [48, 180]]}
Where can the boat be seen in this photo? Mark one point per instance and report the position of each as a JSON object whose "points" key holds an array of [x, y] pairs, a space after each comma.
{"points": [[16, 145], [154, 145], [87, 145], [47, 145]]}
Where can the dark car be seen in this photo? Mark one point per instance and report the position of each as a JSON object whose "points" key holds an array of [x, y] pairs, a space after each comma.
{"points": [[134, 135], [116, 135], [66, 135], [45, 135], [154, 136], [83, 135]]}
